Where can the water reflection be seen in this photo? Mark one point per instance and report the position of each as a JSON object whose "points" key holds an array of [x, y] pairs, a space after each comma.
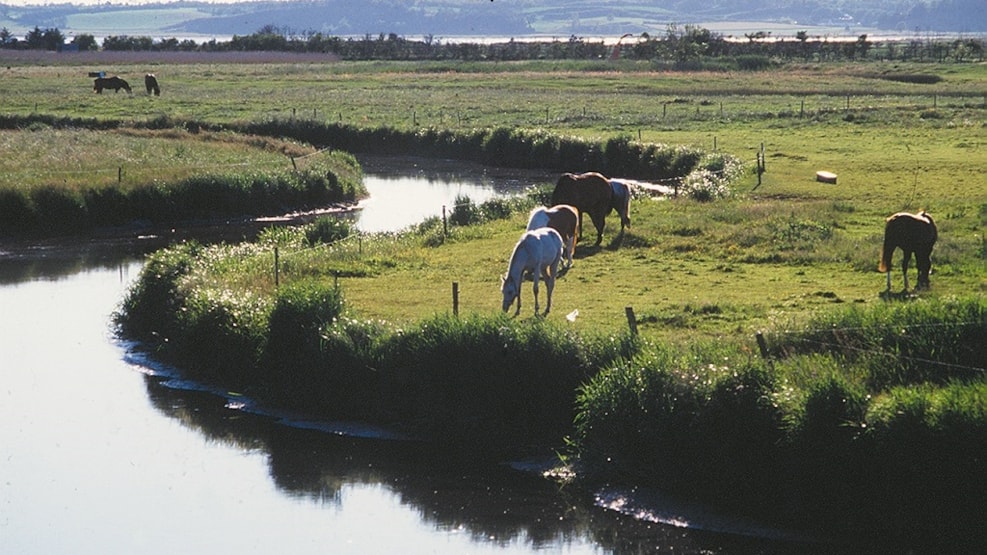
{"points": [[491, 503], [407, 190]]}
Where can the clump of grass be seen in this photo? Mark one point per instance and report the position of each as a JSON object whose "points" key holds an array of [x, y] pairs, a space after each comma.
{"points": [[327, 230], [685, 421], [929, 340]]}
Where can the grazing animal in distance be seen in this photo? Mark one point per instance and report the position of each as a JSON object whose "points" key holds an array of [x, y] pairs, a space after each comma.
{"points": [[562, 218], [590, 193], [912, 233], [540, 251], [151, 84], [621, 201], [114, 83]]}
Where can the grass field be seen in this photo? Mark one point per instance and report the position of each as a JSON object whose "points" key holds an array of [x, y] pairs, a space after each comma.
{"points": [[781, 248]]}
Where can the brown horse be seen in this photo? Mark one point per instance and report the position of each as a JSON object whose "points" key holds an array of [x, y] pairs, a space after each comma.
{"points": [[151, 84], [590, 193], [562, 218], [114, 83], [621, 201], [912, 233]]}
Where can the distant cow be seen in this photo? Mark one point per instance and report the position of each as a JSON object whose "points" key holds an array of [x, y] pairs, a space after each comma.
{"points": [[114, 83], [151, 83]]}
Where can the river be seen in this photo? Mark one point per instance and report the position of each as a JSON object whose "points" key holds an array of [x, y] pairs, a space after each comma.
{"points": [[103, 451]]}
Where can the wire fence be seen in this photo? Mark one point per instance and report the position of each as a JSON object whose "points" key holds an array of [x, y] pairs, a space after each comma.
{"points": [[795, 336]]}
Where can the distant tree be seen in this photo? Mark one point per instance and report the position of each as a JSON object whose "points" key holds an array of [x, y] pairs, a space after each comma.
{"points": [[124, 42], [35, 38], [863, 46], [49, 39], [85, 42], [6, 37], [53, 39], [167, 45]]}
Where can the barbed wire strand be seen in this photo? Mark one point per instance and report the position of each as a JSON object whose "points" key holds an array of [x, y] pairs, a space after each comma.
{"points": [[926, 361]]}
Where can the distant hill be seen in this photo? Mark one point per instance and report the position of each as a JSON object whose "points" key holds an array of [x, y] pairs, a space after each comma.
{"points": [[504, 18]]}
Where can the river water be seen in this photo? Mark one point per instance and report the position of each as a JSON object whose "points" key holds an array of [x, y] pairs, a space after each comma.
{"points": [[103, 451]]}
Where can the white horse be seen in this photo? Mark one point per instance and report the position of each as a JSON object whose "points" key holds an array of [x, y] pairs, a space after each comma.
{"points": [[540, 251], [562, 218]]}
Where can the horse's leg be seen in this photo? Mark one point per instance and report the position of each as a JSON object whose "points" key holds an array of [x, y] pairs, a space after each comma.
{"points": [[599, 220], [570, 248], [904, 267], [924, 263], [534, 286], [550, 285]]}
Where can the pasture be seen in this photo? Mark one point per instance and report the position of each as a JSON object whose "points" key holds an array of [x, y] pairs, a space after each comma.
{"points": [[777, 250], [832, 421]]}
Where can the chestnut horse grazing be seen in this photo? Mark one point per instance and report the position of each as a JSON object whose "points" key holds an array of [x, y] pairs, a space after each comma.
{"points": [[540, 251], [562, 218], [114, 83], [621, 202], [151, 84], [590, 193], [912, 233]]}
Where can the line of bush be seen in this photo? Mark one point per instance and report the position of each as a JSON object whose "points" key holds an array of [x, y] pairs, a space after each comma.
{"points": [[500, 146]]}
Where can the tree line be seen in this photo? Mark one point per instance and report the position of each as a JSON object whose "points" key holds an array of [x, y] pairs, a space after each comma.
{"points": [[689, 47]]}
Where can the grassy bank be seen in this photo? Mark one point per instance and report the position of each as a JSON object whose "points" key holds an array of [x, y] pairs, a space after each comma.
{"points": [[69, 179], [870, 421]]}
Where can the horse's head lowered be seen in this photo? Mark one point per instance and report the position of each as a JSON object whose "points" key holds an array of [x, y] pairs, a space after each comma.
{"points": [[511, 290]]}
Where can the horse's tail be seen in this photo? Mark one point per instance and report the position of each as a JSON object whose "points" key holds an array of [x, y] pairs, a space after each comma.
{"points": [[887, 248]]}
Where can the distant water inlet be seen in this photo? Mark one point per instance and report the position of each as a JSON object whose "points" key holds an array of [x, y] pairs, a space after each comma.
{"points": [[404, 191]]}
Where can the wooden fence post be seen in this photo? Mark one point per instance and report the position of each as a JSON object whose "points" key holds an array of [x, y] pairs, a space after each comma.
{"points": [[277, 277], [762, 345], [631, 319], [445, 223], [455, 298]]}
